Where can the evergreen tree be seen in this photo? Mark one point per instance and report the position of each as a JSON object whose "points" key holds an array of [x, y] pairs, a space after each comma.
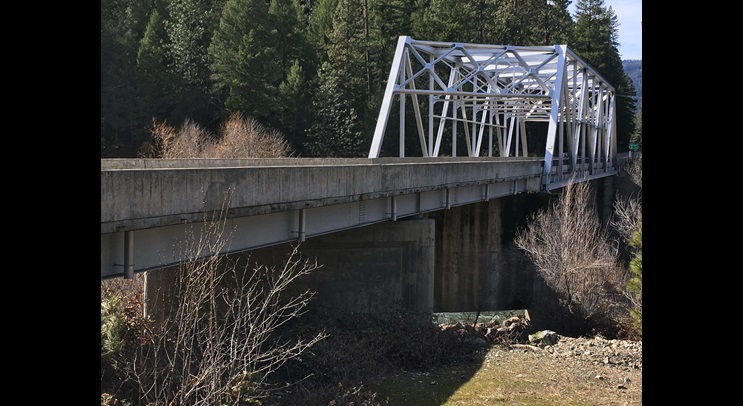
{"points": [[123, 23], [320, 25], [296, 105], [522, 23], [152, 64], [341, 98], [637, 135], [595, 41], [443, 20], [388, 20], [296, 60], [190, 26], [291, 44], [243, 60], [558, 27]]}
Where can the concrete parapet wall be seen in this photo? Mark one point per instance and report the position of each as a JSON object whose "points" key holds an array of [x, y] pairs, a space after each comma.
{"points": [[138, 194]]}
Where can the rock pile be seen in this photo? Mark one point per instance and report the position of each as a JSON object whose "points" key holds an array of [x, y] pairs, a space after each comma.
{"points": [[513, 329], [623, 354], [517, 334]]}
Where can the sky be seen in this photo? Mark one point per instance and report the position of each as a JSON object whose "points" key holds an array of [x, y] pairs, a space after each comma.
{"points": [[629, 16]]}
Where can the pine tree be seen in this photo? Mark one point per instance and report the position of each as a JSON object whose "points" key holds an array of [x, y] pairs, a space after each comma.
{"points": [[558, 27], [637, 135], [523, 23], [243, 60], [320, 25], [296, 105], [291, 44], [123, 23], [595, 41], [443, 20], [190, 25], [388, 20], [152, 65], [342, 96]]}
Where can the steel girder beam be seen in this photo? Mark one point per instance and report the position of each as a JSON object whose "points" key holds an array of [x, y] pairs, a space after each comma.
{"points": [[478, 91]]}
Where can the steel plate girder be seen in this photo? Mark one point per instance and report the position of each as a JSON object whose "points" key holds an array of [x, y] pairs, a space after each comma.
{"points": [[160, 247]]}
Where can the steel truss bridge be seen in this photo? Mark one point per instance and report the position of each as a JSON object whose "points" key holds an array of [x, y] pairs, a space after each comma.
{"points": [[474, 91], [483, 94]]}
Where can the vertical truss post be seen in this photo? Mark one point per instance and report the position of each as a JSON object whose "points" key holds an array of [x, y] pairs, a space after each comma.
{"points": [[554, 111], [384, 110], [431, 99], [402, 114]]}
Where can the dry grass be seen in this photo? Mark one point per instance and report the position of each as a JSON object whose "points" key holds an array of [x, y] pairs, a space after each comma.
{"points": [[516, 377]]}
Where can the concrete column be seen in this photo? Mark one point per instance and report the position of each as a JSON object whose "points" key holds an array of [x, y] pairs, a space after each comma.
{"points": [[607, 194], [370, 269], [159, 290], [477, 265]]}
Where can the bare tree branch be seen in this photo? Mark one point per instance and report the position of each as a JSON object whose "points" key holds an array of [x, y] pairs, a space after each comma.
{"points": [[219, 344], [571, 252]]}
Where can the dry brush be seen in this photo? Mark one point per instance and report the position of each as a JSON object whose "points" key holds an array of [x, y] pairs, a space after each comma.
{"points": [[215, 341], [573, 255]]}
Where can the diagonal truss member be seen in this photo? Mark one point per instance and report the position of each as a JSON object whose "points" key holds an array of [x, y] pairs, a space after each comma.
{"points": [[480, 90]]}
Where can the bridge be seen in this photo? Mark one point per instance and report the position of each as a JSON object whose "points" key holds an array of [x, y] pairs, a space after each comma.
{"points": [[485, 96]]}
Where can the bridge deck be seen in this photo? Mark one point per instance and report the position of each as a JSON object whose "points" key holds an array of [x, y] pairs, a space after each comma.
{"points": [[272, 201], [145, 193]]}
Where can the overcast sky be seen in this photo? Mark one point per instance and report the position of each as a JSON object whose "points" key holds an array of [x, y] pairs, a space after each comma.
{"points": [[629, 15]]}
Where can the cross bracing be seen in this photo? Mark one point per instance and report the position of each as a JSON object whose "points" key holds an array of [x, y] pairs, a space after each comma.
{"points": [[484, 95]]}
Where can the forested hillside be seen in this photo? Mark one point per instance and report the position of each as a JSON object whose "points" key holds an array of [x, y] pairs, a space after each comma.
{"points": [[312, 70], [633, 69]]}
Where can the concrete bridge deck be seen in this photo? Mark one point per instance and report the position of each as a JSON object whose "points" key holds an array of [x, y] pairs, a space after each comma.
{"points": [[148, 204], [145, 193]]}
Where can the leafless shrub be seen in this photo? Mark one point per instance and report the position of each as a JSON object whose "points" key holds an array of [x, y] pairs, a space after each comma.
{"points": [[572, 254], [628, 209], [246, 138], [162, 136], [215, 345], [627, 212], [627, 220], [238, 137], [633, 167], [190, 141], [126, 288]]}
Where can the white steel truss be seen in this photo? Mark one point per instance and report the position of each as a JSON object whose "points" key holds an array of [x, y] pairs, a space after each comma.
{"points": [[480, 90]]}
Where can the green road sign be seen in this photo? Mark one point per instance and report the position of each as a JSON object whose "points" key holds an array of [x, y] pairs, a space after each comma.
{"points": [[634, 147]]}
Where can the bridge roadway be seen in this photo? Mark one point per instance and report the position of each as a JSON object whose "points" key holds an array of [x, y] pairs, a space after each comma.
{"points": [[149, 205]]}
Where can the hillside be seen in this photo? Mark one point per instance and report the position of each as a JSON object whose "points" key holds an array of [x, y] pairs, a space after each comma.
{"points": [[633, 68]]}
